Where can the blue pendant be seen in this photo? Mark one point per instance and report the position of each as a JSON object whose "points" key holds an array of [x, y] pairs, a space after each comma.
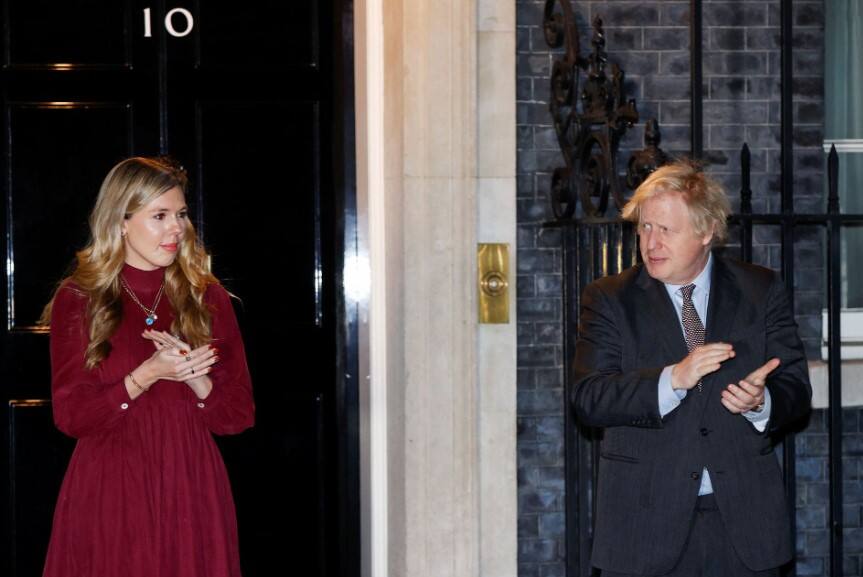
{"points": [[150, 321]]}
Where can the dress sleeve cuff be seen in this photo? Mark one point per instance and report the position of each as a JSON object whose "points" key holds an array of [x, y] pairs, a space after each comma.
{"points": [[118, 397], [213, 400]]}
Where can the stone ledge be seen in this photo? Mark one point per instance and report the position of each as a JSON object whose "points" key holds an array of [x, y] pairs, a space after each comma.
{"points": [[852, 384]]}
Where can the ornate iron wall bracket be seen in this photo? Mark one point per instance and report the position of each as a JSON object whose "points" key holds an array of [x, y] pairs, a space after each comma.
{"points": [[645, 161], [591, 121]]}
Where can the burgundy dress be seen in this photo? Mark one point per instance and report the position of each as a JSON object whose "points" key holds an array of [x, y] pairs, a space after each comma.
{"points": [[146, 493]]}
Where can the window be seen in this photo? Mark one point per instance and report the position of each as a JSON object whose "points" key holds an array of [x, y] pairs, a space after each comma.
{"points": [[843, 114]]}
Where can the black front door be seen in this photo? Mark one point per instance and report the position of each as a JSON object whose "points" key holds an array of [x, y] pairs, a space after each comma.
{"points": [[255, 99]]}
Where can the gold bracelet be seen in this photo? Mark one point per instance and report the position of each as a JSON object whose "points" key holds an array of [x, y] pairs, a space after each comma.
{"points": [[137, 384]]}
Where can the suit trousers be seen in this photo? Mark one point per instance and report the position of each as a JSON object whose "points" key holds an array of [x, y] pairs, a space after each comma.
{"points": [[708, 551]]}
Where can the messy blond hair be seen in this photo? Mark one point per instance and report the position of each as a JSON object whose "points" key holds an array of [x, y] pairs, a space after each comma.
{"points": [[129, 186], [708, 205]]}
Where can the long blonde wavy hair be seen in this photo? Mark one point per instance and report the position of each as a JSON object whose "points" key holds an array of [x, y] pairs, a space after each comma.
{"points": [[130, 186]]}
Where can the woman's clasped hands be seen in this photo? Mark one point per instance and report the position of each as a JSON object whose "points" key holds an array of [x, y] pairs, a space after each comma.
{"points": [[175, 360]]}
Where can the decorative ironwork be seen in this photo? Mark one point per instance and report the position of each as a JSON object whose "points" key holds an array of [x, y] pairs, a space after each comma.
{"points": [[591, 121], [645, 161]]}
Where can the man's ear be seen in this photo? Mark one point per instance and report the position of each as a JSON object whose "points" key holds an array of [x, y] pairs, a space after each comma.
{"points": [[708, 236]]}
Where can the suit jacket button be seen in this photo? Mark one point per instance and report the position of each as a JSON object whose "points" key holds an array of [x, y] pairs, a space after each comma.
{"points": [[704, 432], [695, 476]]}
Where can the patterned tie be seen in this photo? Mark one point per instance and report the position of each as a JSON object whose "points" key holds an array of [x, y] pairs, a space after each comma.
{"points": [[693, 330]]}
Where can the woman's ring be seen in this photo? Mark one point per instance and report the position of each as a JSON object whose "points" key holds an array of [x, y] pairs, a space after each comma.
{"points": [[189, 358], [193, 371]]}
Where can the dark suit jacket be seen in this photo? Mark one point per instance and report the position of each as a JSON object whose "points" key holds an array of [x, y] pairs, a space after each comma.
{"points": [[650, 467]]}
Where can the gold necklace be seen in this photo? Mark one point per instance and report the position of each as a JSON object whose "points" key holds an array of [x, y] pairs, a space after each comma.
{"points": [[150, 312]]}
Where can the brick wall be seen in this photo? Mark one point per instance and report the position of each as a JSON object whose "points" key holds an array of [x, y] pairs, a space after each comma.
{"points": [[650, 40], [813, 544]]}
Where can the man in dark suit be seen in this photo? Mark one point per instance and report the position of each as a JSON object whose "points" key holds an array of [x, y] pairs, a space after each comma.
{"points": [[690, 363]]}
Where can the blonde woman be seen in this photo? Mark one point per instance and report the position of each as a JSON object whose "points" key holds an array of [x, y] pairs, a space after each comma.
{"points": [[147, 364]]}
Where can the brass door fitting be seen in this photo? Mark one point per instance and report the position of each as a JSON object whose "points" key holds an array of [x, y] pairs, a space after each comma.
{"points": [[493, 277]]}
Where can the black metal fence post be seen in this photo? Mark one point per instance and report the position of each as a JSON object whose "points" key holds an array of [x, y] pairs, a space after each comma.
{"points": [[696, 79], [834, 414], [745, 205]]}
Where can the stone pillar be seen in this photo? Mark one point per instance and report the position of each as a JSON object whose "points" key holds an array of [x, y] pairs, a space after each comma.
{"points": [[436, 120], [496, 356]]}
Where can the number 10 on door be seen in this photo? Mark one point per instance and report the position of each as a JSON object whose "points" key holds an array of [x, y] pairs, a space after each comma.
{"points": [[182, 13]]}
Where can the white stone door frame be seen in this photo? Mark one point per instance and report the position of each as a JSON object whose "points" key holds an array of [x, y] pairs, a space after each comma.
{"points": [[435, 108]]}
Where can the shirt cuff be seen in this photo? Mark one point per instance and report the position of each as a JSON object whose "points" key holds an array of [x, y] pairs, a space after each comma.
{"points": [[669, 399], [759, 419], [212, 400]]}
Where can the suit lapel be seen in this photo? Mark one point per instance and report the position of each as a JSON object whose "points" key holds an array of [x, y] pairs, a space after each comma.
{"points": [[725, 299], [658, 312]]}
